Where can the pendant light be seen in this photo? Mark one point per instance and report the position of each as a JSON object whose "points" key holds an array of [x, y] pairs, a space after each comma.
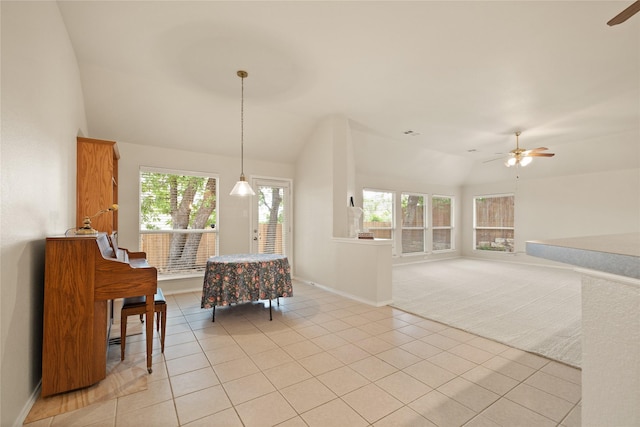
{"points": [[242, 187]]}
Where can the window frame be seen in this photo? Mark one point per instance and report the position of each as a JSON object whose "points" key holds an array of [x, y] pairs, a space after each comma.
{"points": [[424, 227], [287, 186], [197, 270], [476, 228], [450, 227], [392, 227]]}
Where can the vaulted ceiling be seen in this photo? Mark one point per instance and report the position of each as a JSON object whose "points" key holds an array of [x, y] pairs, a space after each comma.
{"points": [[459, 76]]}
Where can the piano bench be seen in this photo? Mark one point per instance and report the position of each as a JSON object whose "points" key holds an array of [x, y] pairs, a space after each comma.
{"points": [[137, 306]]}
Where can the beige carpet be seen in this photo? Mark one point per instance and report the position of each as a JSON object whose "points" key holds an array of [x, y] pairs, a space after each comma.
{"points": [[536, 309]]}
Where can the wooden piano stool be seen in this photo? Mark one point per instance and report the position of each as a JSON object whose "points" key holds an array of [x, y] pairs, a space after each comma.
{"points": [[137, 306]]}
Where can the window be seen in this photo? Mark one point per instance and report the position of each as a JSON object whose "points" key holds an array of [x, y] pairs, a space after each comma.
{"points": [[413, 223], [178, 212], [378, 218], [442, 222], [493, 219]]}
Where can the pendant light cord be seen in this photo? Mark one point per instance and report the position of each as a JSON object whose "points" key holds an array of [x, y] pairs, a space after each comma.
{"points": [[242, 76], [242, 187]]}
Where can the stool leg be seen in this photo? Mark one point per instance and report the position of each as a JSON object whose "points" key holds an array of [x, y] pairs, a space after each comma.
{"points": [[149, 312], [123, 335]]}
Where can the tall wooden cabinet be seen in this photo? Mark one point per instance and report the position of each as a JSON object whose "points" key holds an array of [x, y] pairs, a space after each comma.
{"points": [[76, 323], [97, 182]]}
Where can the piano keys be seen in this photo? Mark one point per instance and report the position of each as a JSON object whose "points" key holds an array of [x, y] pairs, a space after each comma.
{"points": [[82, 273]]}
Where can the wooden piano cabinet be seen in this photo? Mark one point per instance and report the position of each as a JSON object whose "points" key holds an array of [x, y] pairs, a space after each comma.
{"points": [[80, 278], [68, 348], [97, 182]]}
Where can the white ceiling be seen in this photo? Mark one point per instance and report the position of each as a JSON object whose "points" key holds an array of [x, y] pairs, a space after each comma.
{"points": [[464, 75]]}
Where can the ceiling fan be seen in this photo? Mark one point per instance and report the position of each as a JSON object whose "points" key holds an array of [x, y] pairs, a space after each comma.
{"points": [[522, 156], [625, 14]]}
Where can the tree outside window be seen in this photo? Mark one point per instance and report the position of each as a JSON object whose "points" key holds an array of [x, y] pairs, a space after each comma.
{"points": [[271, 211], [377, 207], [413, 223], [178, 214]]}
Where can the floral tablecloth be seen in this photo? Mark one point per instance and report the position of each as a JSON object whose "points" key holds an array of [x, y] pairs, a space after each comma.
{"points": [[247, 277]]}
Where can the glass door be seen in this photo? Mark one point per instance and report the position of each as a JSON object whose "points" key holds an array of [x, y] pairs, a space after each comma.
{"points": [[271, 230]]}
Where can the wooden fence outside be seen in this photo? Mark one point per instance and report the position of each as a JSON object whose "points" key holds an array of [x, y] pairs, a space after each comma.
{"points": [[156, 246]]}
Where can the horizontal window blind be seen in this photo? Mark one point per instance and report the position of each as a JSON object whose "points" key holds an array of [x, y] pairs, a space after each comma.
{"points": [[178, 212], [413, 223]]}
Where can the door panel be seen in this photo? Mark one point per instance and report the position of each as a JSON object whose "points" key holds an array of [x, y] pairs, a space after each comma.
{"points": [[271, 217]]}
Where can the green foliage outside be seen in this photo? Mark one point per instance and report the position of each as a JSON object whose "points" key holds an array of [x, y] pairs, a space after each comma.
{"points": [[377, 206], [168, 199]]}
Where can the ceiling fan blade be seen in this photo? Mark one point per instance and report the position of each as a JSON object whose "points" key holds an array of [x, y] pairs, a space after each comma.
{"points": [[540, 154], [493, 160], [539, 149], [625, 14]]}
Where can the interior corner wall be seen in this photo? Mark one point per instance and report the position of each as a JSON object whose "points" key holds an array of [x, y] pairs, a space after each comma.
{"points": [[557, 207], [340, 264], [42, 114], [313, 207], [343, 173]]}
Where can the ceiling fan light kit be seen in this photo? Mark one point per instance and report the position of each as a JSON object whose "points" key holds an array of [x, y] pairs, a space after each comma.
{"points": [[518, 161], [522, 156]]}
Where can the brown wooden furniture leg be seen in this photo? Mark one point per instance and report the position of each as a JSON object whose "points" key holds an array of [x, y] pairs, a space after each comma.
{"points": [[149, 304]]}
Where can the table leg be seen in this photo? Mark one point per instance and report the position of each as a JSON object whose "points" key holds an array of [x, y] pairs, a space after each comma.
{"points": [[149, 313], [214, 314], [270, 316]]}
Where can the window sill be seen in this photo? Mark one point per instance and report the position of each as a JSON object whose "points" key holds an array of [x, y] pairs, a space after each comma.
{"points": [[167, 277], [481, 251]]}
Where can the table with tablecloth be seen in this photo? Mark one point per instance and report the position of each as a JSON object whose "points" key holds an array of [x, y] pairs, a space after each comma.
{"points": [[232, 279]]}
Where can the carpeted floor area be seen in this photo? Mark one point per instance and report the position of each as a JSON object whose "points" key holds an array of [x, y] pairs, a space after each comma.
{"points": [[533, 308]]}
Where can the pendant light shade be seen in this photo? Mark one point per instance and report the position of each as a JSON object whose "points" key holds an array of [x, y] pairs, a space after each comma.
{"points": [[242, 187]]}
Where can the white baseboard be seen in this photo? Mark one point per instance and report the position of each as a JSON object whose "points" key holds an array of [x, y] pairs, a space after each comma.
{"points": [[27, 407], [344, 294]]}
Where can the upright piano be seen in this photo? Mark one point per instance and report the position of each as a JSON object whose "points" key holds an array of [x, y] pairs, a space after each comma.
{"points": [[82, 273]]}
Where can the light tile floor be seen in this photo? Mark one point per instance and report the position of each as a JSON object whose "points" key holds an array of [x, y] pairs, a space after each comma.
{"points": [[326, 360]]}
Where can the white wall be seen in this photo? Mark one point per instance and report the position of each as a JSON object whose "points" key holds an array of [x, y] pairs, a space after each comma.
{"points": [[324, 181], [42, 113], [564, 206], [362, 270], [313, 195], [234, 213], [343, 176], [611, 345]]}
